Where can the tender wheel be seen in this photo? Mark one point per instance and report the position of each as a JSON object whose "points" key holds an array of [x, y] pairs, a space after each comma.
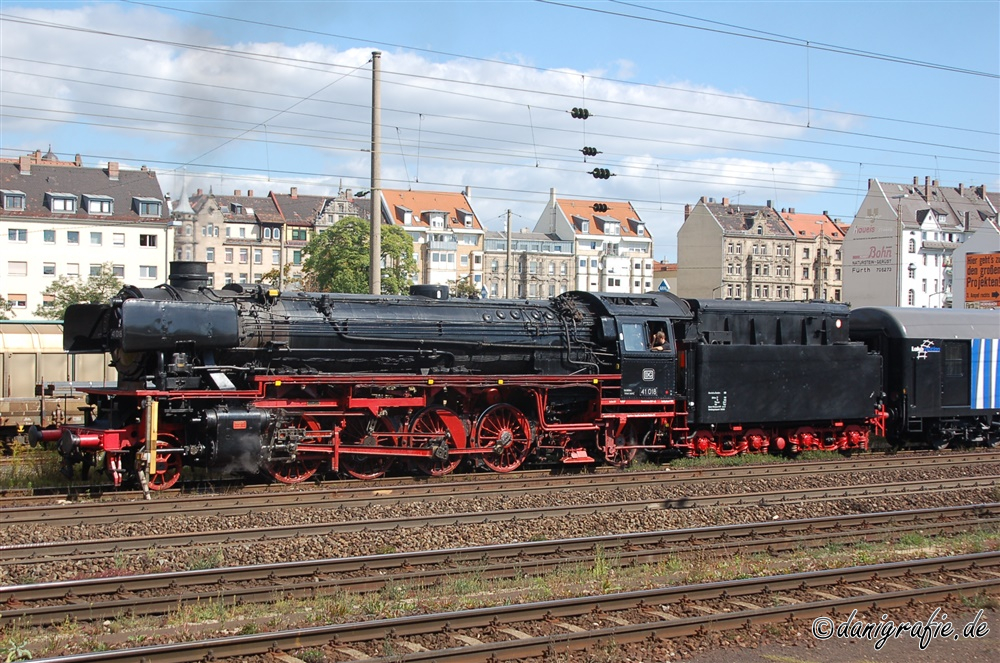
{"points": [[299, 468], [368, 432], [439, 427], [504, 434]]}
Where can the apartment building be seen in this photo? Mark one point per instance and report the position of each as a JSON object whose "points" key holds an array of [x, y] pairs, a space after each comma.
{"points": [[61, 218]]}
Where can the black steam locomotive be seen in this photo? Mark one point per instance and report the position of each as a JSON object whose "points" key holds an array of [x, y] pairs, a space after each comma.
{"points": [[246, 378]]}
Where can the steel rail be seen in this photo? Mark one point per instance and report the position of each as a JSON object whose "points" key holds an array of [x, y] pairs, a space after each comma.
{"points": [[307, 579], [550, 611], [42, 552], [102, 512]]}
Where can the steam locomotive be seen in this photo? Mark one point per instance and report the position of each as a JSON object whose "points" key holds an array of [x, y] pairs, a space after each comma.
{"points": [[247, 378]]}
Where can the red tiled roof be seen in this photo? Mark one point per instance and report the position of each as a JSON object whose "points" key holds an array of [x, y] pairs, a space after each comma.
{"points": [[624, 213], [810, 225], [419, 202]]}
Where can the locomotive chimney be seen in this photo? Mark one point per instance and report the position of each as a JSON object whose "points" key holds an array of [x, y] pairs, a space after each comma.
{"points": [[188, 274]]}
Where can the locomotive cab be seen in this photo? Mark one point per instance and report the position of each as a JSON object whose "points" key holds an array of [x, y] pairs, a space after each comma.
{"points": [[648, 361]]}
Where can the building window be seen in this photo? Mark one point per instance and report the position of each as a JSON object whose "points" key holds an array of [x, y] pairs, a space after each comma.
{"points": [[297, 257], [912, 271], [243, 278], [147, 240], [72, 269], [805, 272], [244, 256], [13, 200], [275, 256], [48, 269], [118, 239], [464, 261], [61, 202], [17, 268], [912, 246], [118, 270], [210, 254], [229, 278], [267, 233], [258, 256], [229, 255], [911, 298], [300, 234], [17, 301], [147, 271], [805, 252], [95, 270], [98, 204], [19, 235], [147, 206], [49, 236], [96, 238]]}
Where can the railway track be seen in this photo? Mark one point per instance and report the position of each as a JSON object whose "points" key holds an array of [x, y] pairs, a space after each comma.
{"points": [[156, 594], [367, 493], [240, 487], [524, 631], [62, 550]]}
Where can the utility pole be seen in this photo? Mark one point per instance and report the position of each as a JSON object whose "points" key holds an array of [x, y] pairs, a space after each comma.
{"points": [[375, 273], [506, 285]]}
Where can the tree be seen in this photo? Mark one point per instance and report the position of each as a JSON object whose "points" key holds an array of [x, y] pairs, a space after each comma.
{"points": [[338, 260], [66, 290], [5, 307], [463, 287]]}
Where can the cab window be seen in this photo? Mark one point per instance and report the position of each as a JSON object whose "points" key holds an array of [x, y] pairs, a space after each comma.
{"points": [[634, 336]]}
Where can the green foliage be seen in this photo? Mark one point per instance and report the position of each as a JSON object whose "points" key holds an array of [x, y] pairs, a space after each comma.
{"points": [[463, 288], [67, 290], [5, 308], [338, 260], [15, 651]]}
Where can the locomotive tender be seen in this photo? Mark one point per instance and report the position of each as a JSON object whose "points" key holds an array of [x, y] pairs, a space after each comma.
{"points": [[246, 378]]}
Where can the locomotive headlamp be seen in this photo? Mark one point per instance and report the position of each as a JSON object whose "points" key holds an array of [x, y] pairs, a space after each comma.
{"points": [[838, 324]]}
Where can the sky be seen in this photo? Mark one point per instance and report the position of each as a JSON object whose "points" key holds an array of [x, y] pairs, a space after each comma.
{"points": [[796, 103]]}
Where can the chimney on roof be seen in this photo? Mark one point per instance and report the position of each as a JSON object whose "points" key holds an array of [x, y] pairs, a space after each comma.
{"points": [[725, 202], [250, 193], [961, 189], [703, 200], [916, 180], [38, 155], [237, 192], [927, 187], [294, 192], [791, 210], [113, 171], [201, 192], [468, 191], [78, 160], [981, 191], [769, 203], [826, 213], [687, 210], [966, 226], [24, 164]]}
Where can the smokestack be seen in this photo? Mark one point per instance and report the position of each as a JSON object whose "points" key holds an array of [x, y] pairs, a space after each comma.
{"points": [[927, 187]]}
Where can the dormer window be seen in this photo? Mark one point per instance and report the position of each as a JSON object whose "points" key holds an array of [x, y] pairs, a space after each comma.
{"points": [[147, 206], [406, 214], [236, 208], [61, 202], [98, 204], [760, 230], [640, 229], [12, 200], [466, 218], [585, 227], [435, 219]]}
